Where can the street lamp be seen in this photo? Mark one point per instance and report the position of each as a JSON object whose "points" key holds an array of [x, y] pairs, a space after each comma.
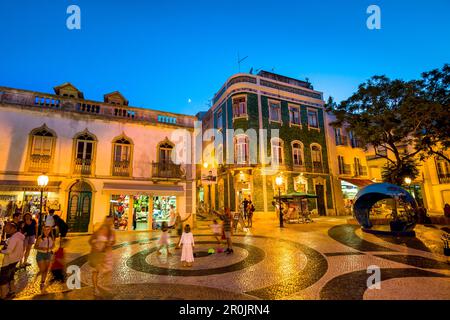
{"points": [[279, 183], [408, 182], [42, 182]]}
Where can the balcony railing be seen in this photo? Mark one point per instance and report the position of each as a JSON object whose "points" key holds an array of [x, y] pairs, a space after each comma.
{"points": [[102, 109], [39, 163], [317, 167], [341, 141], [356, 143], [167, 170], [121, 168], [83, 166], [345, 169], [360, 171], [444, 178]]}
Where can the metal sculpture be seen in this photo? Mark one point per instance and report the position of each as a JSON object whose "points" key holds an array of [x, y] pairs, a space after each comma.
{"points": [[368, 196]]}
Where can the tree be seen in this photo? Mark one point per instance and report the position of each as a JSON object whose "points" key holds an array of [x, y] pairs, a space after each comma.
{"points": [[407, 119], [430, 110]]}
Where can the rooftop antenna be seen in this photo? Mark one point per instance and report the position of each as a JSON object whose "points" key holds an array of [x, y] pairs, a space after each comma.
{"points": [[240, 60]]}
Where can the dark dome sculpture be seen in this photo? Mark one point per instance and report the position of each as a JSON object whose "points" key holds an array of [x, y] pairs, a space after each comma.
{"points": [[373, 193]]}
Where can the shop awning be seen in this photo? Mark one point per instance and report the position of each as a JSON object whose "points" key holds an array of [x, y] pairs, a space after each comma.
{"points": [[360, 183], [27, 186], [155, 189], [297, 195]]}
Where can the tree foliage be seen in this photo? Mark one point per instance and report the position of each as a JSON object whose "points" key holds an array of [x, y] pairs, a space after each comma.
{"points": [[407, 119]]}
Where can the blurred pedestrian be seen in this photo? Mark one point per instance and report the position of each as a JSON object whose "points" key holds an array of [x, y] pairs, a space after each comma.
{"points": [[216, 228], [13, 253], [100, 258], [59, 265], [164, 239]]}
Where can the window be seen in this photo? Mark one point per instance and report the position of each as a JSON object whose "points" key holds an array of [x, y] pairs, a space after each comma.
{"points": [[275, 111], [341, 164], [42, 141], [277, 151], [313, 121], [241, 153], [316, 156], [297, 153], [122, 157], [84, 153], [443, 170], [294, 115], [165, 152], [340, 139], [219, 120], [357, 167], [239, 107]]}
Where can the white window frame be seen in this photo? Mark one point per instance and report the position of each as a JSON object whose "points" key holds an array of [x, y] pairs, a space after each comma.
{"points": [[320, 154], [317, 118], [276, 102], [300, 153], [241, 149], [280, 147], [291, 107], [243, 114]]}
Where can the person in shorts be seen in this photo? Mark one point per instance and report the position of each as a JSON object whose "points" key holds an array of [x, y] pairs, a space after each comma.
{"points": [[29, 230], [13, 252]]}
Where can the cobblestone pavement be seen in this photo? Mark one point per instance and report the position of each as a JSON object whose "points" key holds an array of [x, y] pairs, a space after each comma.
{"points": [[327, 259]]}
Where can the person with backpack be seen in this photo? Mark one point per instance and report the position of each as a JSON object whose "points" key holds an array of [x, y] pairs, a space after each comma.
{"points": [[61, 225]]}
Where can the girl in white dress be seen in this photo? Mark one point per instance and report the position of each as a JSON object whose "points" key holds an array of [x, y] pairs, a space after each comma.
{"points": [[187, 241]]}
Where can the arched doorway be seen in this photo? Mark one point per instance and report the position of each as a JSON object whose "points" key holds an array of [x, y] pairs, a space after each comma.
{"points": [[79, 208]]}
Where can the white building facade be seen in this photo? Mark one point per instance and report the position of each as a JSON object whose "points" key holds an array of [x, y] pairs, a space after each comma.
{"points": [[101, 158]]}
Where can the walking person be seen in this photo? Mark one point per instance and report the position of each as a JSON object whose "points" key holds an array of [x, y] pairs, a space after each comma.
{"points": [[44, 247], [29, 231], [251, 210], [216, 228], [187, 242], [13, 252], [58, 266], [245, 208], [100, 258], [179, 226], [164, 239], [226, 227]]}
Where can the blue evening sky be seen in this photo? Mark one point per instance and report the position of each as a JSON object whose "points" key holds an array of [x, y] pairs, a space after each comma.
{"points": [[163, 54]]}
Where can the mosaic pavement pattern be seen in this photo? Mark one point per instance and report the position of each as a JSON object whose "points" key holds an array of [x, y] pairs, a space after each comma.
{"points": [[327, 259]]}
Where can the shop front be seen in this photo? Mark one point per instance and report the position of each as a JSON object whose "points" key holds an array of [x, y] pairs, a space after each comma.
{"points": [[349, 188], [25, 196], [142, 207]]}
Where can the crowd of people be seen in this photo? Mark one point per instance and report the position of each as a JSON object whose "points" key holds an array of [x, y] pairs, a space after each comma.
{"points": [[23, 234], [20, 234]]}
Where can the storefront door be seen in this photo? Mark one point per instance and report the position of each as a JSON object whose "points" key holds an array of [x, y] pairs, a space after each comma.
{"points": [[79, 212]]}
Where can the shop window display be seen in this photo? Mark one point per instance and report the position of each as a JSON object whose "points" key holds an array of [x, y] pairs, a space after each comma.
{"points": [[161, 209]]}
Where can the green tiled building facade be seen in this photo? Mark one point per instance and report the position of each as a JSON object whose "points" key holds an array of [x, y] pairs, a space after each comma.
{"points": [[291, 115]]}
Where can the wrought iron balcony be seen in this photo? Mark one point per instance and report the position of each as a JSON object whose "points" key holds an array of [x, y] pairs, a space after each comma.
{"points": [[39, 163], [121, 168], [360, 171], [345, 169], [444, 178], [317, 167], [341, 141], [167, 170], [83, 166]]}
